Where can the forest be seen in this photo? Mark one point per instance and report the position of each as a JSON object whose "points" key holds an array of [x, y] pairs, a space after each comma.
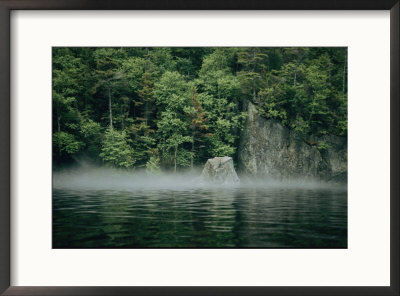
{"points": [[173, 108]]}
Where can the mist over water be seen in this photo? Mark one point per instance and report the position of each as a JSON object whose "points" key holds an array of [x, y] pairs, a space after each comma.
{"points": [[97, 207], [103, 178]]}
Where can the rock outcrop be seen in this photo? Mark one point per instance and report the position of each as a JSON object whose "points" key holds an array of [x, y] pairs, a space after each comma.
{"points": [[270, 150], [219, 170]]}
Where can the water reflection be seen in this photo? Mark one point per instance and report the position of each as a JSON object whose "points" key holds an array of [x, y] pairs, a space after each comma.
{"points": [[212, 217]]}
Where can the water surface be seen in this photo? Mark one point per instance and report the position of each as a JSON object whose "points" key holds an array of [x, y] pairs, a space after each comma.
{"points": [[196, 217]]}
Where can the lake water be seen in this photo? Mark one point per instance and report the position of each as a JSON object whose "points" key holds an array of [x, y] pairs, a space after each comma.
{"points": [[194, 217]]}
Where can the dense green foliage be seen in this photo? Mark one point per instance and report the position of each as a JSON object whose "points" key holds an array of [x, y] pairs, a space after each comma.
{"points": [[175, 107]]}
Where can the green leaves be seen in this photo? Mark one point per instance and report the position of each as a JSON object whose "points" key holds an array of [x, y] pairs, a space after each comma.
{"points": [[164, 108], [220, 90], [67, 143], [172, 94], [171, 91], [302, 94], [116, 150], [153, 165], [133, 69]]}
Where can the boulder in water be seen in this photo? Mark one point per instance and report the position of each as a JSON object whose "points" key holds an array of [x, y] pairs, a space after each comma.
{"points": [[220, 170]]}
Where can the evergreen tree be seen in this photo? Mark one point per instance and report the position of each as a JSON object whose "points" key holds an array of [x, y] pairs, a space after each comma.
{"points": [[116, 150], [67, 72], [172, 94], [108, 75], [220, 98]]}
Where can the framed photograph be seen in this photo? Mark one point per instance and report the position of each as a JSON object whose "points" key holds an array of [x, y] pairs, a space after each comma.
{"points": [[225, 148]]}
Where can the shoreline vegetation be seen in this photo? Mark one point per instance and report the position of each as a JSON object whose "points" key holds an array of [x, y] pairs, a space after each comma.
{"points": [[170, 109]]}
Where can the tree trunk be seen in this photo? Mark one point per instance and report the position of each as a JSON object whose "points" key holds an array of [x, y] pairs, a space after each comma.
{"points": [[146, 111], [123, 117], [58, 123], [191, 160], [254, 91], [344, 74], [311, 113], [253, 70], [176, 151], [59, 130], [109, 107]]}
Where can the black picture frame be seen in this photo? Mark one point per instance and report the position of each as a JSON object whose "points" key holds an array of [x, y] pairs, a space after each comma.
{"points": [[7, 6]]}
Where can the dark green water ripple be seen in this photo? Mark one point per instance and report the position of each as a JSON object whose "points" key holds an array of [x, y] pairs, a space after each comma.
{"points": [[200, 218]]}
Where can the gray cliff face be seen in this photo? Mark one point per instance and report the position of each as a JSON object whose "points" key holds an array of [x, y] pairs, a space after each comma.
{"points": [[220, 170], [270, 150]]}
